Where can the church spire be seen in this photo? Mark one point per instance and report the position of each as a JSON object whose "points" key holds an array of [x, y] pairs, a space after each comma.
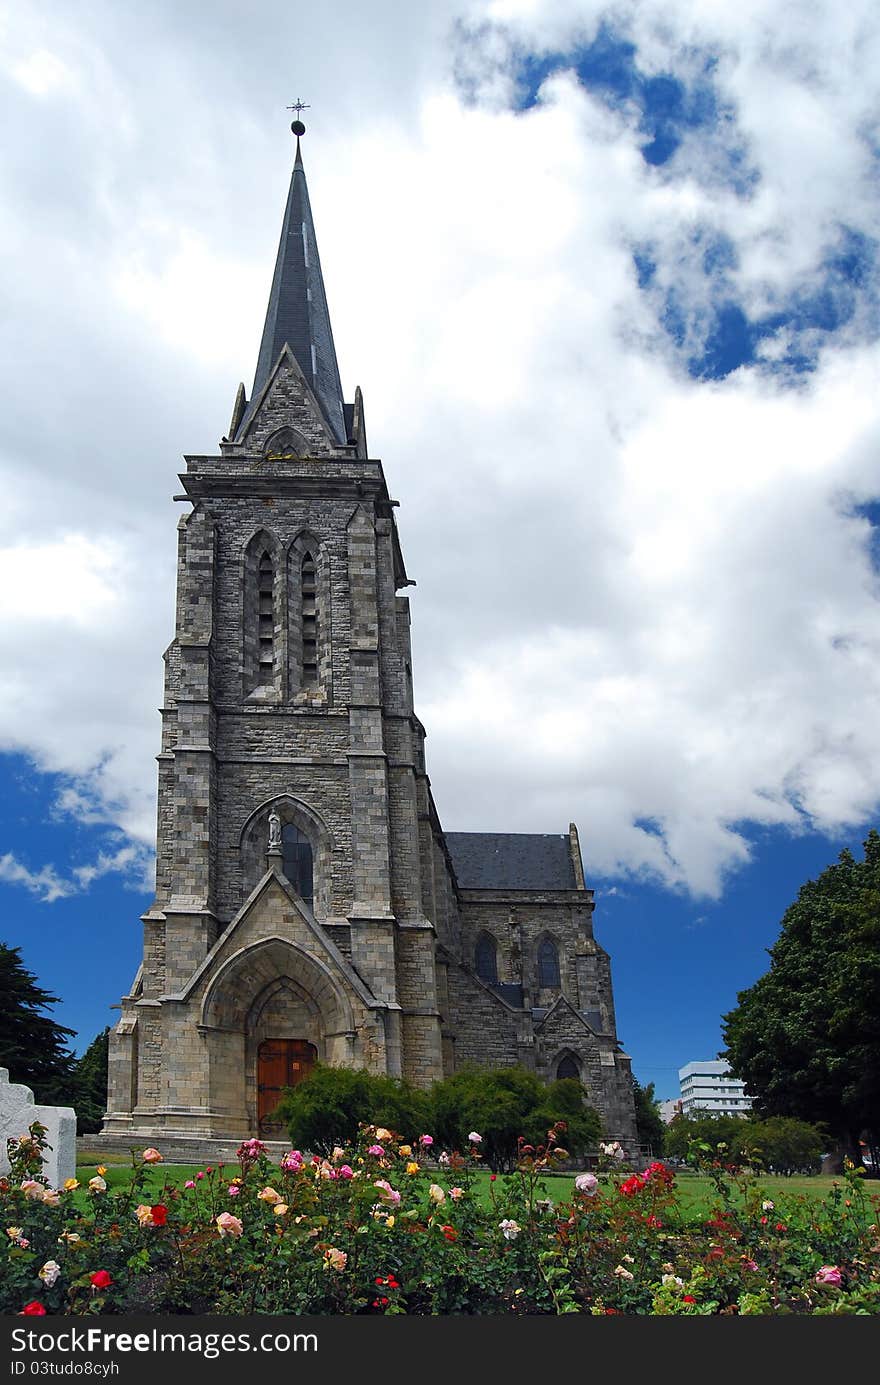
{"points": [[297, 315]]}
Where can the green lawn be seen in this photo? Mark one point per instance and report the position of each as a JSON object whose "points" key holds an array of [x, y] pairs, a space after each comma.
{"points": [[696, 1194]]}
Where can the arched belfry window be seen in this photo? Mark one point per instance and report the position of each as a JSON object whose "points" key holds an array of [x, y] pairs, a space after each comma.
{"points": [[266, 619], [548, 963], [296, 860], [567, 1067], [486, 958], [309, 593]]}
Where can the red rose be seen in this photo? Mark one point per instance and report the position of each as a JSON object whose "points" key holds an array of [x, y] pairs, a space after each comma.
{"points": [[34, 1309], [101, 1279], [688, 1298], [780, 1226], [159, 1214]]}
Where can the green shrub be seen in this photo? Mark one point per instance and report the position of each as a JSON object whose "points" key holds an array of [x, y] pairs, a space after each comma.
{"points": [[504, 1104], [326, 1108]]}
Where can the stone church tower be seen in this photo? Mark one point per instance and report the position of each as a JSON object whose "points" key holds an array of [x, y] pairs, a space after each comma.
{"points": [[309, 906]]}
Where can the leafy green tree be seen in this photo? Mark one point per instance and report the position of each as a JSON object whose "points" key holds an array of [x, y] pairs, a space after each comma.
{"points": [[708, 1128], [791, 1146], [779, 1143], [502, 1104], [33, 1046], [650, 1126], [805, 1037], [326, 1108], [90, 1079]]}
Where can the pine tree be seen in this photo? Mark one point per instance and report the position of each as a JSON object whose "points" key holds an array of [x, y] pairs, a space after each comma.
{"points": [[33, 1046], [91, 1084]]}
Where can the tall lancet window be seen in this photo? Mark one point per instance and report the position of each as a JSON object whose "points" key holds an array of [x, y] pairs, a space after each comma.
{"points": [[309, 591], [296, 860], [486, 959], [266, 604], [548, 963]]}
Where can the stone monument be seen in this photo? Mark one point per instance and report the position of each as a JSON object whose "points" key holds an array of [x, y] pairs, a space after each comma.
{"points": [[18, 1112]]}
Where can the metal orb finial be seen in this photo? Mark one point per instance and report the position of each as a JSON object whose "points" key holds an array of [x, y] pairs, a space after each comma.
{"points": [[297, 126]]}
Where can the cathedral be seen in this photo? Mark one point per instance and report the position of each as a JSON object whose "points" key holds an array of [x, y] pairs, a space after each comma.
{"points": [[310, 908]]}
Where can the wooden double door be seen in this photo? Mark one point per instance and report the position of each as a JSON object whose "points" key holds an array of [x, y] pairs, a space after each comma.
{"points": [[280, 1063]]}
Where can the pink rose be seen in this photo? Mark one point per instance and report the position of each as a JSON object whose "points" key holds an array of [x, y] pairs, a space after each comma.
{"points": [[346, 1171], [386, 1192], [189, 1183], [376, 1150], [829, 1274], [474, 1138], [234, 1190], [426, 1140], [151, 1156], [587, 1183]]}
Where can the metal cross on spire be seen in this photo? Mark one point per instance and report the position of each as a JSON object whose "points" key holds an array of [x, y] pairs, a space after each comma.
{"points": [[297, 126], [299, 106]]}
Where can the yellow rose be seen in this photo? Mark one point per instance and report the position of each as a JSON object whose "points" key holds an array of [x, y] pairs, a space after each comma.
{"points": [[389, 1222], [412, 1167], [382, 1134], [100, 1169], [280, 1209], [405, 1151], [70, 1184]]}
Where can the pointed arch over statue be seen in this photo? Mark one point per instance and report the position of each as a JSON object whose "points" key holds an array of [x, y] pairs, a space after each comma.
{"points": [[310, 825]]}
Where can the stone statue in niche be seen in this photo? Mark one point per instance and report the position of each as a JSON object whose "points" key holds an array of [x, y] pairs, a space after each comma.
{"points": [[274, 831]]}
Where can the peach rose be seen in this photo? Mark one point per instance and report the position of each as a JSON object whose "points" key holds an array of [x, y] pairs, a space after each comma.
{"points": [[228, 1225]]}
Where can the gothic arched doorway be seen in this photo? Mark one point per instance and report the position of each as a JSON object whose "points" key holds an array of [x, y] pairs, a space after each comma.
{"points": [[280, 1063]]}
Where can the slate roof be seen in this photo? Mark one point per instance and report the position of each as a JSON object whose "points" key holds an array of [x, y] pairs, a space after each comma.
{"points": [[511, 860], [297, 315]]}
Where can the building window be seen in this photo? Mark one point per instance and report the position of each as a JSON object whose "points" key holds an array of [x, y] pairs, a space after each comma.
{"points": [[487, 959], [309, 593], [568, 1068], [296, 860], [548, 964], [266, 618]]}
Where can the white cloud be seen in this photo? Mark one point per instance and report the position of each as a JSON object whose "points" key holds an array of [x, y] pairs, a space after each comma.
{"points": [[131, 860], [649, 604], [45, 883]]}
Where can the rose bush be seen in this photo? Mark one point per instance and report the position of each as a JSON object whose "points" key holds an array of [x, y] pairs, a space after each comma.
{"points": [[391, 1227]]}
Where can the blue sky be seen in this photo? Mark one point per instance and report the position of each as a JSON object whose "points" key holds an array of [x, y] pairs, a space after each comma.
{"points": [[612, 295]]}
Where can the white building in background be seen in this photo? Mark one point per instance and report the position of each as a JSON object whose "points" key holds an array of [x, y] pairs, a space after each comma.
{"points": [[669, 1109], [710, 1086]]}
